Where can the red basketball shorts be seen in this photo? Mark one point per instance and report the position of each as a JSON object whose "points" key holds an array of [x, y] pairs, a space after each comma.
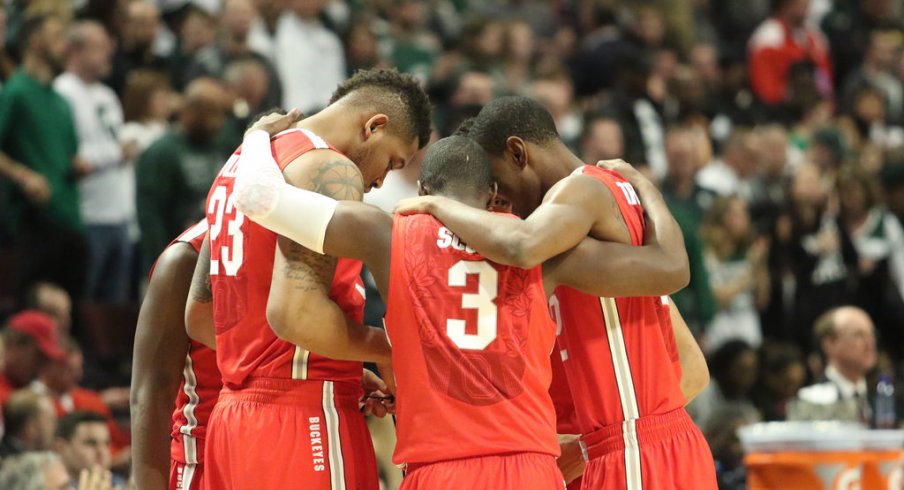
{"points": [[185, 476], [522, 471], [661, 452], [276, 433]]}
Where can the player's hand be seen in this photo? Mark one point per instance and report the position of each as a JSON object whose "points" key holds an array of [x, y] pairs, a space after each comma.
{"points": [[276, 122], [571, 462], [34, 186], [377, 400], [622, 167], [416, 205], [370, 382], [641, 183], [388, 376]]}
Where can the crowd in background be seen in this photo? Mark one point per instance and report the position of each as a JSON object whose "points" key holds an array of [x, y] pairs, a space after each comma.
{"points": [[774, 127]]}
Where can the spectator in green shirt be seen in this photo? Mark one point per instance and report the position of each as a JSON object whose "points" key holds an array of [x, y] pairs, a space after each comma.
{"points": [[38, 147], [688, 203], [174, 174]]}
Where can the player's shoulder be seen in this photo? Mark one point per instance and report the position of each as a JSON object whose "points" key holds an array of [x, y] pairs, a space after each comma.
{"points": [[415, 223], [582, 186], [177, 259], [292, 143], [322, 157], [327, 172]]}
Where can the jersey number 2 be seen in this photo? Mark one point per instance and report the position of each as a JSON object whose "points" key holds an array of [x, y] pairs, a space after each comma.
{"points": [[231, 253], [482, 301]]}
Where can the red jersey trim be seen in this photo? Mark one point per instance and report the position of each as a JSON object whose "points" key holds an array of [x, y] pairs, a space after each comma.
{"points": [[193, 233], [291, 144], [189, 387]]}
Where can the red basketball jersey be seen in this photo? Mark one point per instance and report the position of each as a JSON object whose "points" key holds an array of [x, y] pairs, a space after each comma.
{"points": [[566, 418], [200, 384], [619, 354], [241, 267], [471, 342]]}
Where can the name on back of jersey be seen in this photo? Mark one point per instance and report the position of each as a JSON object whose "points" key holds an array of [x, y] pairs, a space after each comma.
{"points": [[446, 239], [629, 192], [231, 167]]}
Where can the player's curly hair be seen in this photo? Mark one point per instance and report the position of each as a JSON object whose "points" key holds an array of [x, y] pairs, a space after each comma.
{"points": [[512, 116], [464, 129], [398, 95]]}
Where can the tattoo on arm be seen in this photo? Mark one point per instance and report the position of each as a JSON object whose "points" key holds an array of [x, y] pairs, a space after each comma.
{"points": [[339, 179], [308, 271], [201, 289]]}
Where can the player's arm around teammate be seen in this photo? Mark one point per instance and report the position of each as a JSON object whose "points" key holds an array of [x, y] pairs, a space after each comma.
{"points": [[360, 231], [356, 230], [572, 209], [161, 344], [299, 309]]}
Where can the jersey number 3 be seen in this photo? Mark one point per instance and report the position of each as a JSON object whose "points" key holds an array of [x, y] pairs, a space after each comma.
{"points": [[231, 252], [482, 301]]}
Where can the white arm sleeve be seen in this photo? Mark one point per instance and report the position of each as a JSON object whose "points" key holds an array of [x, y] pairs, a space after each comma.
{"points": [[262, 194]]}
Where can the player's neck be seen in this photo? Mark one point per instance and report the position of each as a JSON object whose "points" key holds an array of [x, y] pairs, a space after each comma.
{"points": [[331, 129], [562, 162], [467, 199]]}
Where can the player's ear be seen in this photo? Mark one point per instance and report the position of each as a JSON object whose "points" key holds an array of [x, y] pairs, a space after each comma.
{"points": [[377, 122], [518, 150], [421, 189]]}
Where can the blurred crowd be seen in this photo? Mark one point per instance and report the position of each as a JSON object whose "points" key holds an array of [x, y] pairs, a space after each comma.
{"points": [[774, 127]]}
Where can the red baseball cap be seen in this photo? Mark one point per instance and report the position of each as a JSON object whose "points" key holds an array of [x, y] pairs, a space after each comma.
{"points": [[40, 327]]}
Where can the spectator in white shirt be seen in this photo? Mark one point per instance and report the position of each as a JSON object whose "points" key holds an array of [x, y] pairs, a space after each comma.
{"points": [[309, 57], [148, 102], [107, 200], [735, 172]]}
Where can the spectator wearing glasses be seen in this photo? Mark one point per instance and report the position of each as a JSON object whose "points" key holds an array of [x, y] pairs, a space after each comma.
{"points": [[847, 338]]}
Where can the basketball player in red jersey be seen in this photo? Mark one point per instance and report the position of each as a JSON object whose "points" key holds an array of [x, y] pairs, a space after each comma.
{"points": [[472, 369], [618, 354], [265, 295], [167, 444]]}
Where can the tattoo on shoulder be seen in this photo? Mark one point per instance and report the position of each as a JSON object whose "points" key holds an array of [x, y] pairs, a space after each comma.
{"points": [[201, 289], [338, 179], [308, 270]]}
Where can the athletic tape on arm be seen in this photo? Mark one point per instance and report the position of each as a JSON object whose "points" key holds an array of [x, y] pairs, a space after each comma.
{"points": [[263, 195]]}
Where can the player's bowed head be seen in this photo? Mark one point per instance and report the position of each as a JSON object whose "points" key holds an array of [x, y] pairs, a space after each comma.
{"points": [[378, 118]]}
